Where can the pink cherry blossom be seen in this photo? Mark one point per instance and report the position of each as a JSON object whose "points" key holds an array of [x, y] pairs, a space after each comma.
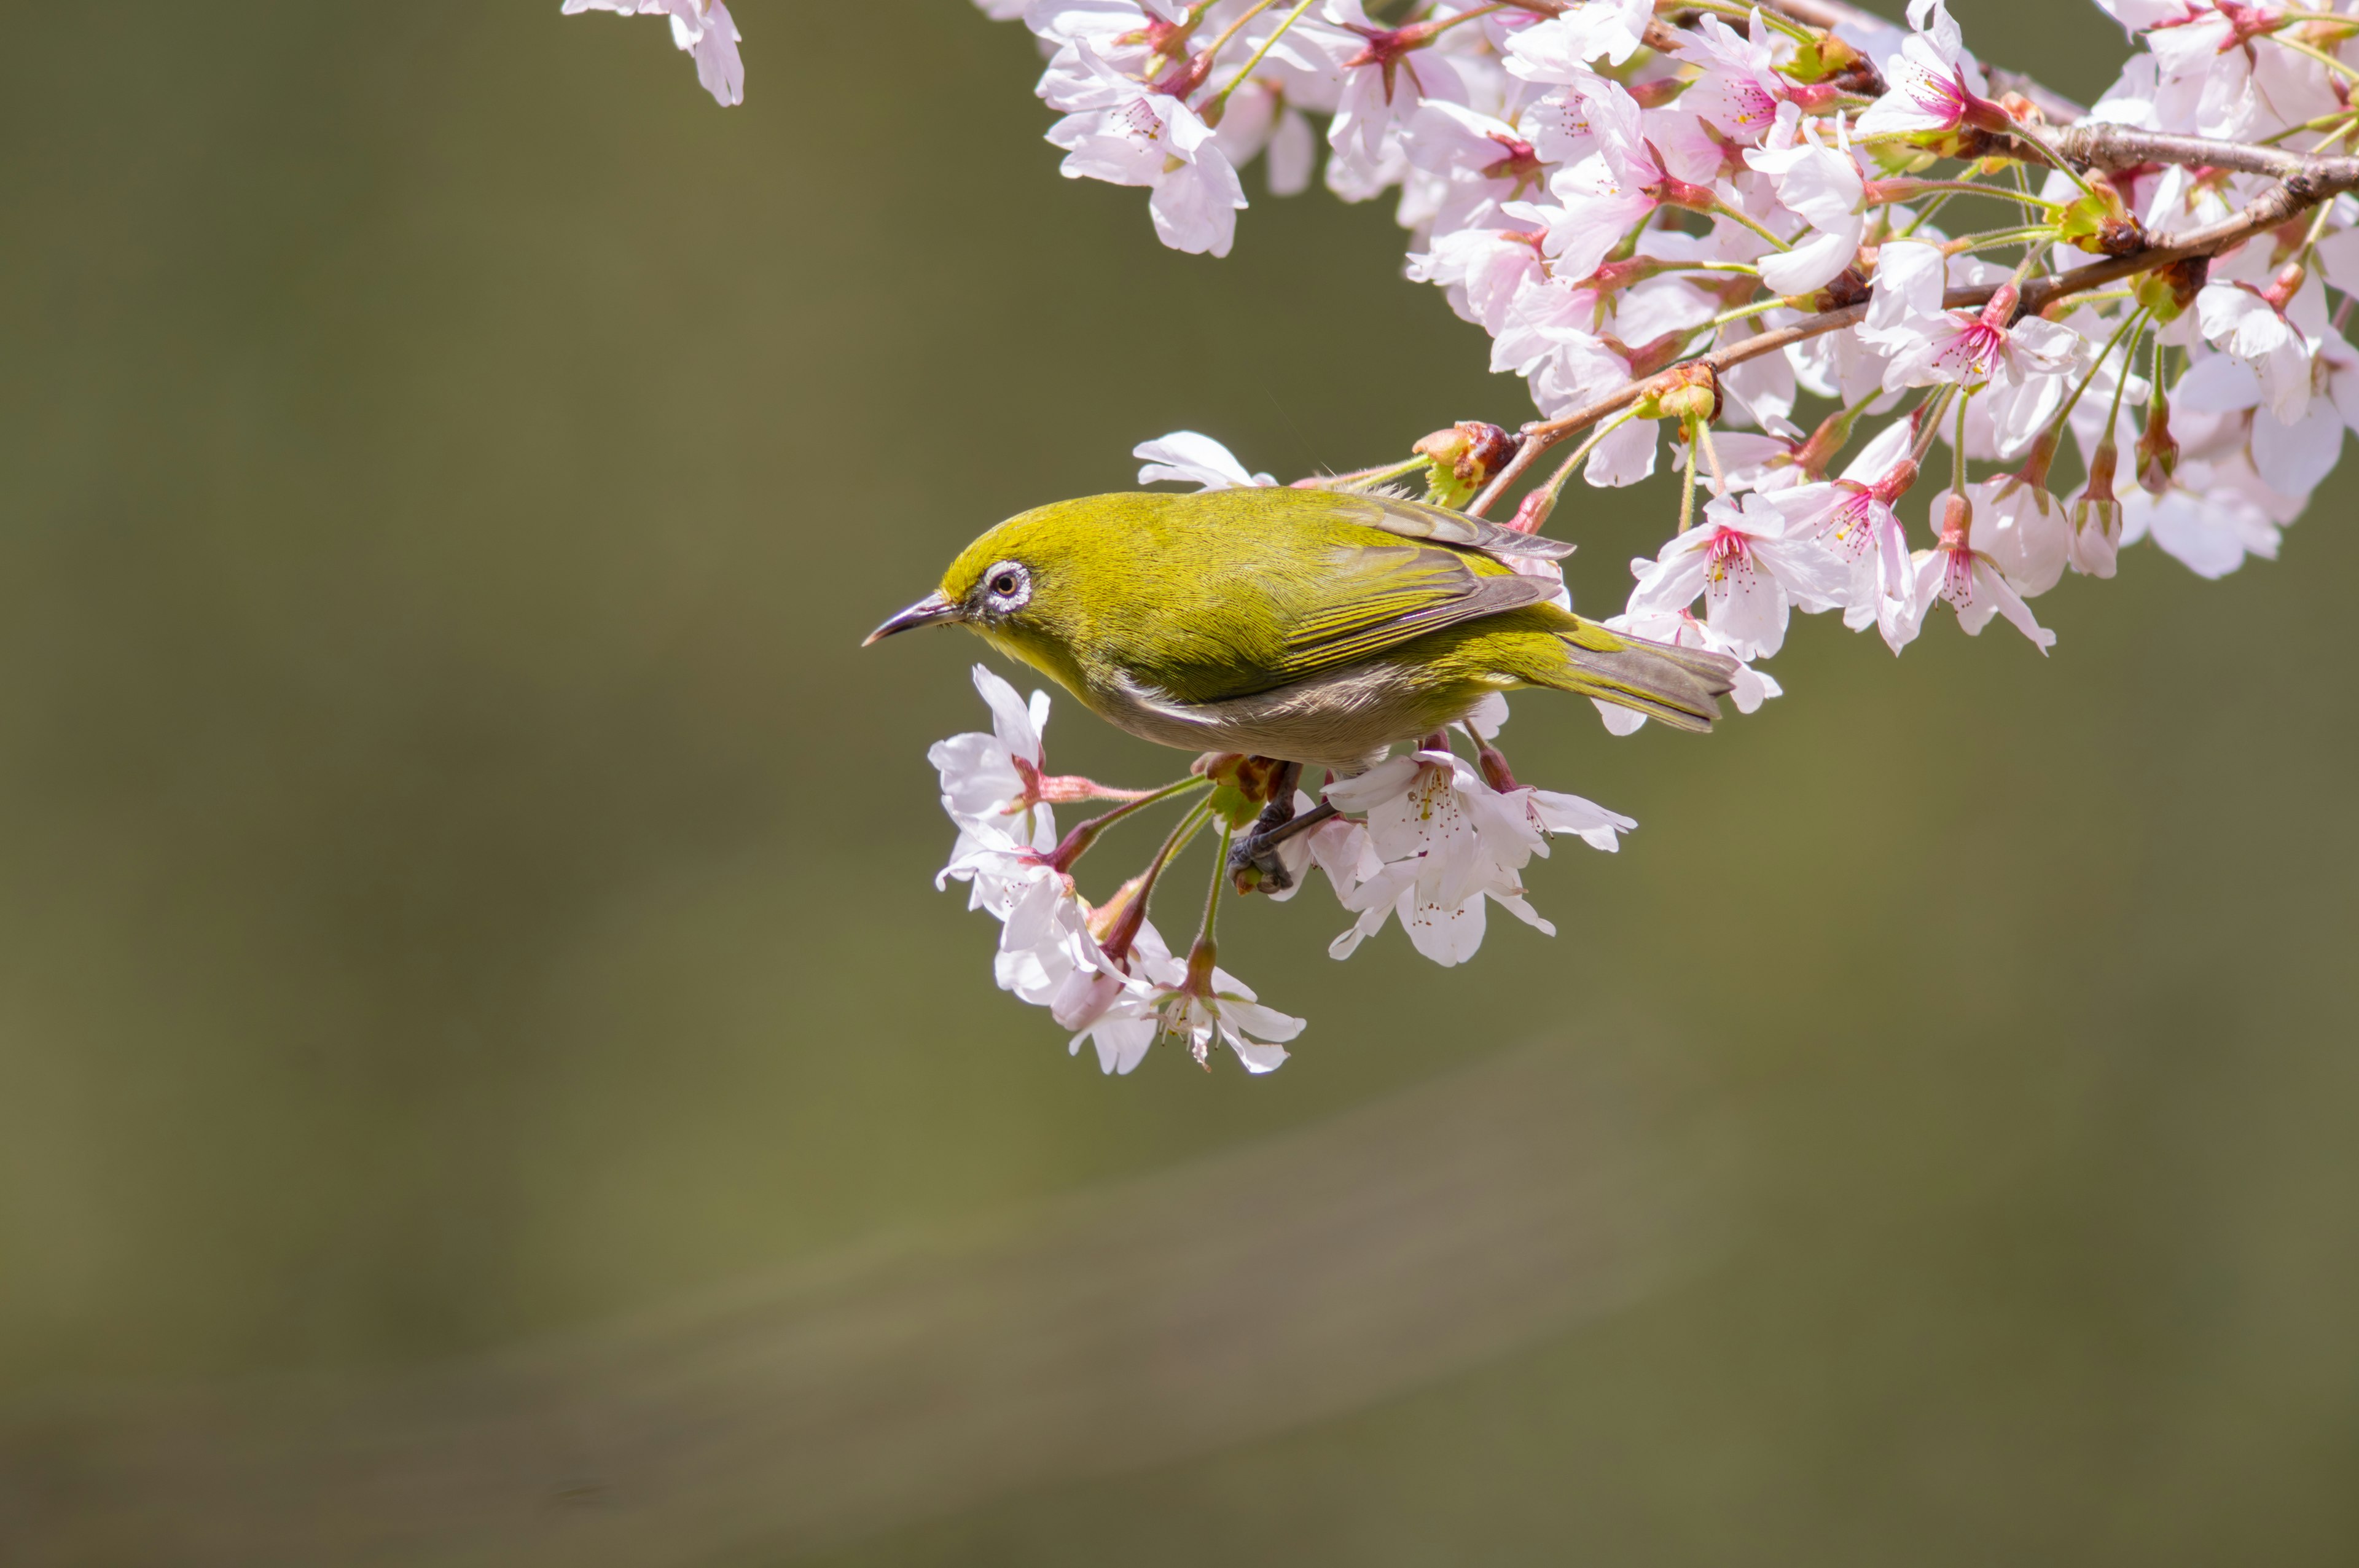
{"points": [[1143, 138], [1967, 580], [1752, 565], [1933, 84], [701, 29]]}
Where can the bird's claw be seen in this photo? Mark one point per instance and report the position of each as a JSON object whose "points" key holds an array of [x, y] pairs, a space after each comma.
{"points": [[1253, 864]]}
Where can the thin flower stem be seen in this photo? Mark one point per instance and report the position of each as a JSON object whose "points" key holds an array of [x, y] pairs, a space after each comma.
{"points": [[1222, 97], [2103, 355], [1791, 28], [1775, 302], [1360, 476], [1930, 208], [1738, 216], [1958, 447], [2113, 415], [1971, 187], [2324, 121], [1994, 237], [1702, 431], [1935, 406], [1219, 875], [1084, 835], [1687, 491], [1538, 506], [1234, 28], [1183, 833], [2031, 139]]}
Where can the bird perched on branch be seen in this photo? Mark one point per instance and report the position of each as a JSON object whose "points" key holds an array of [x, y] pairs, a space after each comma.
{"points": [[1308, 626]]}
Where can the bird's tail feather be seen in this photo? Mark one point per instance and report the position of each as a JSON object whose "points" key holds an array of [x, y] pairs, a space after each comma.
{"points": [[1680, 686]]}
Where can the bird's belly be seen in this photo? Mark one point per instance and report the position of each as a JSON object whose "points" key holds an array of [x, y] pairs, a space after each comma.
{"points": [[1343, 721]]}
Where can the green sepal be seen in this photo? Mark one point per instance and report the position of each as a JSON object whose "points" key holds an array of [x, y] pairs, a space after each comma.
{"points": [[1444, 487], [2099, 222], [1899, 158], [1231, 805], [1822, 56]]}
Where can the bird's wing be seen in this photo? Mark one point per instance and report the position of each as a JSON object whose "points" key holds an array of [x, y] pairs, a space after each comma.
{"points": [[1416, 520], [1381, 596]]}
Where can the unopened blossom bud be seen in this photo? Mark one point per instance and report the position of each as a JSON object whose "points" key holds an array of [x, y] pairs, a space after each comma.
{"points": [[2097, 516], [1493, 764], [1532, 511], [2157, 450], [1814, 457], [1683, 392], [1460, 459]]}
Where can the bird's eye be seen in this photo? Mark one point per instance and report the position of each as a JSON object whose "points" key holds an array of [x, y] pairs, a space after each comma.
{"points": [[1008, 587]]}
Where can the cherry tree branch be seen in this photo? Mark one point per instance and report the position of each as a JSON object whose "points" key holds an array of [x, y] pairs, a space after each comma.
{"points": [[2109, 148], [2310, 181]]}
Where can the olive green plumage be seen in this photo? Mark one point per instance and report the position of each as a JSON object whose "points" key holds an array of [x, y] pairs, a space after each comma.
{"points": [[1314, 626]]}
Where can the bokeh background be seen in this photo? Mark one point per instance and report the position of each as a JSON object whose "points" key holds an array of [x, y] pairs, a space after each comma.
{"points": [[485, 1077]]}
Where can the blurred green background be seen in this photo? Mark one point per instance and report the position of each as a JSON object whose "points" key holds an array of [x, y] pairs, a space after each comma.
{"points": [[464, 886]]}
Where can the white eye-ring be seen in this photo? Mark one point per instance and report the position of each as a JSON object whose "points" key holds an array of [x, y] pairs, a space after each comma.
{"points": [[1008, 587]]}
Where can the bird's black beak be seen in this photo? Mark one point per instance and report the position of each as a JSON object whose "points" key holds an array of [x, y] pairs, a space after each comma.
{"points": [[931, 610]]}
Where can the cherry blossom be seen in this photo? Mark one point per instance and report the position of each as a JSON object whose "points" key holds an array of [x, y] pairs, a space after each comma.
{"points": [[1927, 344], [1191, 459], [1220, 1009], [1855, 517], [1587, 30], [1740, 91], [2206, 519], [1449, 843], [1822, 184], [1552, 163], [1115, 1003], [1751, 562], [2294, 455], [701, 29], [1933, 85], [2274, 331], [1967, 580], [1143, 138]]}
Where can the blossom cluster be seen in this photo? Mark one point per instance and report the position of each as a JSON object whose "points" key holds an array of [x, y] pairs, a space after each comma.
{"points": [[1793, 246], [701, 29], [1608, 195], [1437, 838]]}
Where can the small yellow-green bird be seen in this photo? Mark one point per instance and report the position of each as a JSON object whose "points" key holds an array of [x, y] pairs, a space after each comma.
{"points": [[1305, 625]]}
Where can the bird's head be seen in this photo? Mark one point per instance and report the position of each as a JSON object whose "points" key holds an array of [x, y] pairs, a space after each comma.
{"points": [[1024, 586]]}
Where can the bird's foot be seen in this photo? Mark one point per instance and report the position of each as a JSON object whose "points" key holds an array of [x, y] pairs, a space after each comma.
{"points": [[1254, 862]]}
